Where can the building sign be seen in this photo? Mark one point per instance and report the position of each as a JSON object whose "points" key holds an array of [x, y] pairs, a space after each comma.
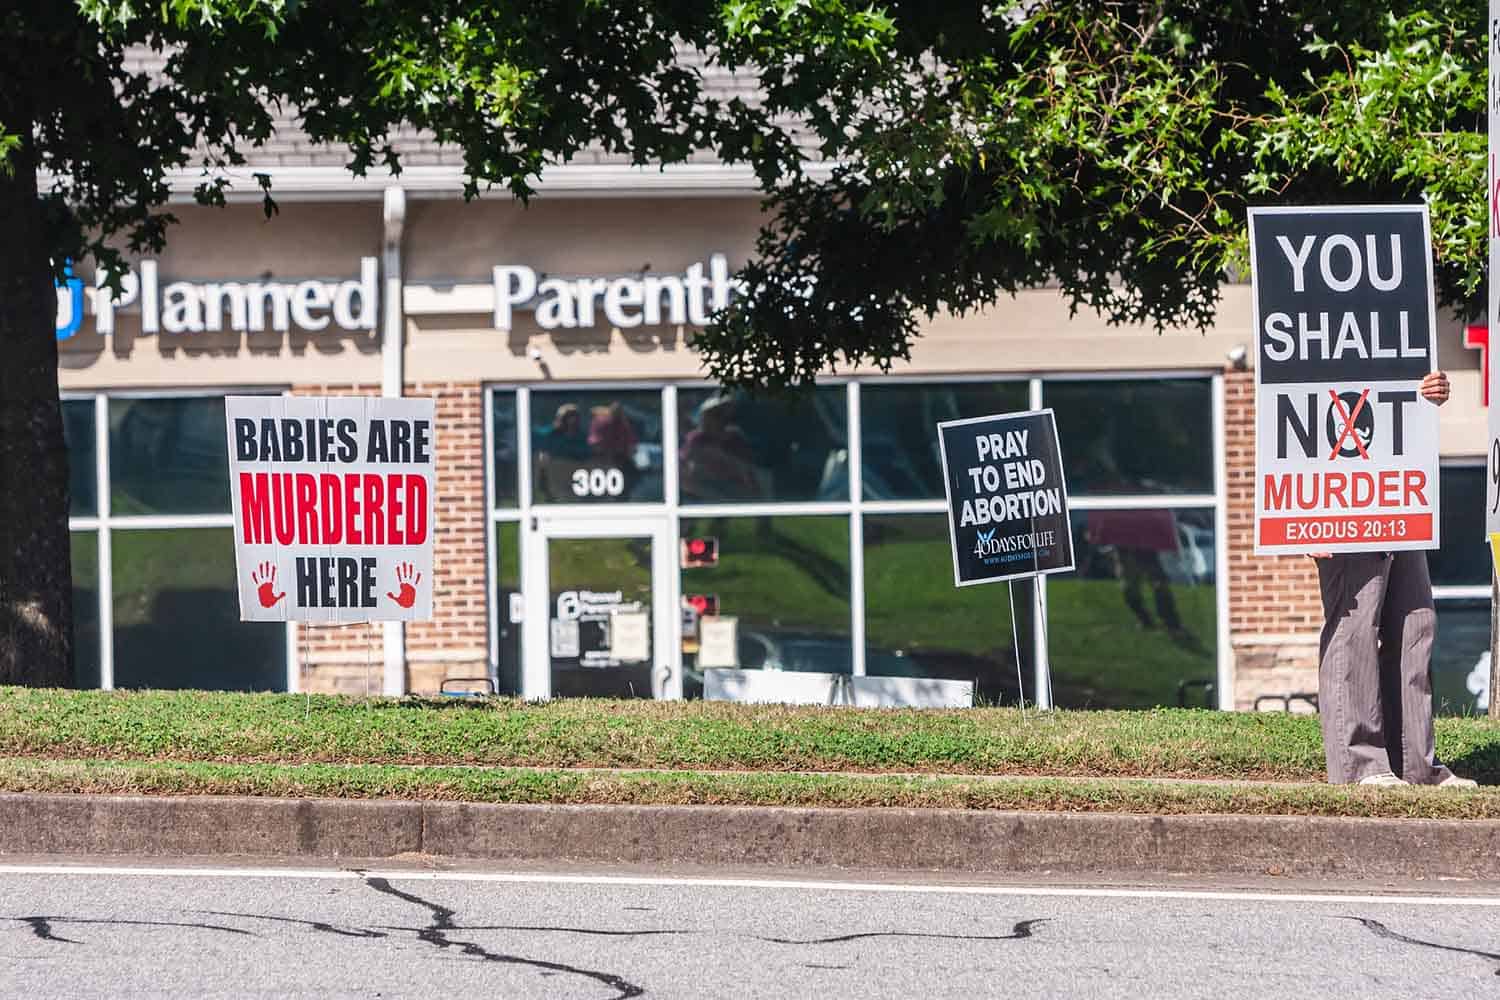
{"points": [[187, 307], [1007, 501], [333, 507], [1346, 449], [624, 302]]}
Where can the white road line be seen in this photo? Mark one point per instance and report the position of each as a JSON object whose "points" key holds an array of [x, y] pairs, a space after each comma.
{"points": [[537, 878]]}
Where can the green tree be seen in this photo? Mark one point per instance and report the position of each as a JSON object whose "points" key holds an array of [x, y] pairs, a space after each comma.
{"points": [[516, 86], [1111, 148]]}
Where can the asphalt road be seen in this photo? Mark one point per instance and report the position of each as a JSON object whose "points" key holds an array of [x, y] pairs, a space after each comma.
{"points": [[327, 933]]}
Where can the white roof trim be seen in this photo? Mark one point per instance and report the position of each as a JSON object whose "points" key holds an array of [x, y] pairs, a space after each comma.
{"points": [[569, 180]]}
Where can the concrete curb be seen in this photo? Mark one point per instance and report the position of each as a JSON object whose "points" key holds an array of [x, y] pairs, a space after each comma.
{"points": [[941, 840]]}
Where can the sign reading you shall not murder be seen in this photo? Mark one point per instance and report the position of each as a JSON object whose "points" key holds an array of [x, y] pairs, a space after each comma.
{"points": [[1007, 501], [333, 507], [1346, 449]]}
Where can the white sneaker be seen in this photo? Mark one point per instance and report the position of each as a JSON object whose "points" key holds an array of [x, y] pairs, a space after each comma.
{"points": [[1454, 781], [1385, 780]]}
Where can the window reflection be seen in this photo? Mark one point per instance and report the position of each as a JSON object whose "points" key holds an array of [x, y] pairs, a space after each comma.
{"points": [[917, 624], [785, 583], [85, 561], [176, 615], [504, 452], [596, 447], [507, 587], [599, 617], [1461, 657], [1464, 557], [1135, 437], [1135, 627], [737, 447], [899, 424], [78, 432], [168, 456]]}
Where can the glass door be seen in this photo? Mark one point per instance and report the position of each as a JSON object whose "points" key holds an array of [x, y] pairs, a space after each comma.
{"points": [[598, 593]]}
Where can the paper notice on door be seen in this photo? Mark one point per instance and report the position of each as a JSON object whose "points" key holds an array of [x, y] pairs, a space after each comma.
{"points": [[630, 636], [718, 643], [564, 639]]}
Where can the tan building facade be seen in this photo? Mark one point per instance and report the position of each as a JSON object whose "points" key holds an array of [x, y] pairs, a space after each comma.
{"points": [[582, 453]]}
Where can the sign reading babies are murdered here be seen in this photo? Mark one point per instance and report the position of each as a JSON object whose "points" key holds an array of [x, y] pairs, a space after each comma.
{"points": [[1007, 501], [333, 507], [1346, 449]]}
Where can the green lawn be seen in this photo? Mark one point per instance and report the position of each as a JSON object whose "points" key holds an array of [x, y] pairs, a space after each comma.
{"points": [[506, 785], [192, 726]]}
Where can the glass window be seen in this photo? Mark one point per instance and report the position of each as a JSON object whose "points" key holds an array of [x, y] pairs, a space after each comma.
{"points": [[596, 447], [1135, 626], [177, 614], [1465, 555], [1461, 657], [741, 448], [168, 456], [917, 624], [85, 556], [508, 586], [599, 617], [1134, 437], [899, 427], [78, 432], [785, 582], [503, 448]]}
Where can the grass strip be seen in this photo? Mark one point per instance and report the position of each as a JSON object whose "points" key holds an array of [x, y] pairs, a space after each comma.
{"points": [[267, 728], [375, 781]]}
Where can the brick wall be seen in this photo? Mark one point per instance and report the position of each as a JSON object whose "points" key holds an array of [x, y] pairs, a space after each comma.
{"points": [[456, 642], [350, 659], [1274, 610]]}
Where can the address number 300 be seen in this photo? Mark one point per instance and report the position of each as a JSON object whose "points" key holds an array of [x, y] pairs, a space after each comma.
{"points": [[598, 482]]}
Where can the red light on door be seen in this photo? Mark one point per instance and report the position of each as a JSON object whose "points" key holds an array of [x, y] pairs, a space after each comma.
{"points": [[698, 552]]}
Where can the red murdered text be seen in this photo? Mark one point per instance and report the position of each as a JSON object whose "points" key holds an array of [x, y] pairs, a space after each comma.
{"points": [[348, 508]]}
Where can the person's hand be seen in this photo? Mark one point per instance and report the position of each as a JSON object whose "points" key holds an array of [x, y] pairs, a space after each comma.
{"points": [[1320, 555], [1435, 388]]}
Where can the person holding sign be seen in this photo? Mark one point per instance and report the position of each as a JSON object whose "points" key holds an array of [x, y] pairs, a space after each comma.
{"points": [[1375, 654], [1346, 464]]}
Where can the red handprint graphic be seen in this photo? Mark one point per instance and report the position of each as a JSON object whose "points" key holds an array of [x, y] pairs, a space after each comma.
{"points": [[407, 576], [264, 579]]}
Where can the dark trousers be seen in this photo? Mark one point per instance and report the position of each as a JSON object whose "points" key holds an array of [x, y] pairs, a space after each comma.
{"points": [[1374, 692]]}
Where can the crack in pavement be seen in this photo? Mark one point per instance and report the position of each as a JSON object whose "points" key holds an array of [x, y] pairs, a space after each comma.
{"points": [[1380, 930], [317, 925], [1021, 931], [436, 934], [41, 926]]}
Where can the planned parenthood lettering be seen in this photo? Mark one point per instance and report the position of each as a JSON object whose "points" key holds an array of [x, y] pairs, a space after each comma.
{"points": [[1346, 449], [333, 507], [1007, 501]]}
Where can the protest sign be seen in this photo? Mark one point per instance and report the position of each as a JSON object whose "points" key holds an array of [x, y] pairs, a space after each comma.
{"points": [[1007, 501], [333, 507], [1346, 449], [1492, 370]]}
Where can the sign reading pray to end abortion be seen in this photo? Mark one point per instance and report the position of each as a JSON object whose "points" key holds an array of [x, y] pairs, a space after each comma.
{"points": [[1007, 501], [333, 507]]}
